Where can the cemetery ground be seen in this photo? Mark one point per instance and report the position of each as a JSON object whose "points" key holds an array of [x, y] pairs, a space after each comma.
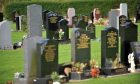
{"points": [[12, 61]]}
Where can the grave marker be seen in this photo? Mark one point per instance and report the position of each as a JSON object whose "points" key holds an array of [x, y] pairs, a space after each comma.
{"points": [[121, 22], [91, 28], [47, 57], [52, 20], [129, 34], [80, 43], [113, 14], [64, 34], [30, 53], [34, 18], [83, 22], [5, 35], [1, 16], [74, 20], [110, 60], [70, 13], [123, 9]]}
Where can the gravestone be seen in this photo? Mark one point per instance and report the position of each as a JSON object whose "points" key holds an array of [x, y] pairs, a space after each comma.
{"points": [[83, 22], [91, 29], [74, 20], [110, 60], [113, 14], [1, 16], [52, 20], [121, 22], [44, 17], [136, 50], [80, 45], [18, 22], [34, 18], [92, 16], [5, 35], [47, 57], [70, 13], [129, 34], [30, 53], [138, 12], [63, 24], [97, 14], [123, 9]]}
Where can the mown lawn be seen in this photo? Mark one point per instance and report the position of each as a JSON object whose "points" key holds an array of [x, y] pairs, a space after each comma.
{"points": [[12, 61]]}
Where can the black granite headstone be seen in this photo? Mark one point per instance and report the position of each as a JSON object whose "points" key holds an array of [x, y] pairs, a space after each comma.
{"points": [[129, 34], [80, 43], [122, 22], [74, 20], [17, 23], [83, 22], [64, 29], [109, 52], [91, 28], [1, 16], [44, 17], [92, 17], [136, 49], [47, 57], [138, 12], [52, 25]]}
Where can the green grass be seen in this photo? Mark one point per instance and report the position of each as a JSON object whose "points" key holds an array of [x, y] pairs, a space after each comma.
{"points": [[125, 79], [12, 61]]}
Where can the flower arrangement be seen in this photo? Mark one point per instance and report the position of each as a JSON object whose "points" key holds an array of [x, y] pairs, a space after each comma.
{"points": [[95, 71], [78, 67]]}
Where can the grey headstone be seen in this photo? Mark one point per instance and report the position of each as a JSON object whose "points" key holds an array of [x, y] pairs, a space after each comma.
{"points": [[34, 17], [5, 35], [123, 9], [30, 53], [80, 43], [113, 14]]}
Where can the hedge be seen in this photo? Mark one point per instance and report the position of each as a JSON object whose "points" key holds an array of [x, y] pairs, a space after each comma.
{"points": [[81, 7]]}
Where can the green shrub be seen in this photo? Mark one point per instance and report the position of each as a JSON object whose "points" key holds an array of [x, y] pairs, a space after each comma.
{"points": [[81, 6]]}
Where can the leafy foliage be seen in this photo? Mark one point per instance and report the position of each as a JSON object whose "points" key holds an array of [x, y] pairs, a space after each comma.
{"points": [[81, 6]]}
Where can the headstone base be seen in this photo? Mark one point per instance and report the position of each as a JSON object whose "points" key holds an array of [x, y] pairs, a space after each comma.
{"points": [[6, 47], [43, 81], [23, 81], [80, 75], [115, 71]]}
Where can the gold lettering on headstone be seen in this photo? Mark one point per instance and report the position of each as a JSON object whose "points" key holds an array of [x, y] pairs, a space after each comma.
{"points": [[50, 53], [83, 41], [53, 19], [112, 39]]}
